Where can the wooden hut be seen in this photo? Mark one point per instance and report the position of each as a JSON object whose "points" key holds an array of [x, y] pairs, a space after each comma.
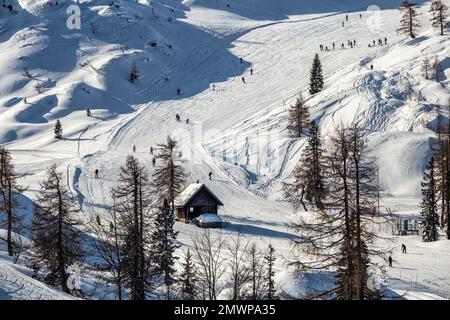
{"points": [[195, 200]]}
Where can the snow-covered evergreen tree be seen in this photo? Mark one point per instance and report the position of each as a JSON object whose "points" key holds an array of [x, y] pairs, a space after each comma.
{"points": [[316, 76], [56, 238], [430, 223], [298, 117]]}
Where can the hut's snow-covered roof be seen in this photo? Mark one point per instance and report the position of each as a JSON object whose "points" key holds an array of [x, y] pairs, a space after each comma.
{"points": [[184, 197]]}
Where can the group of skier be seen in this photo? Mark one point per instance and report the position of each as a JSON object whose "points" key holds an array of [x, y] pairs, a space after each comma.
{"points": [[178, 119], [350, 44], [380, 42], [390, 260]]}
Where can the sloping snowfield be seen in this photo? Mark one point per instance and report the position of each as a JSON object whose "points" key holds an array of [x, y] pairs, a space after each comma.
{"points": [[236, 130]]}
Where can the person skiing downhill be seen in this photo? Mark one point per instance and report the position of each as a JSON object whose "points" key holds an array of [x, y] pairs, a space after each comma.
{"points": [[134, 148], [88, 112], [98, 219], [96, 173], [151, 150], [154, 161], [403, 248], [187, 121], [251, 71], [210, 175], [178, 91], [213, 87], [177, 116], [243, 80], [390, 261]]}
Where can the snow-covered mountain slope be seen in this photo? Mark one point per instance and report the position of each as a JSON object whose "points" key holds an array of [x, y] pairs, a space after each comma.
{"points": [[237, 131], [16, 282]]}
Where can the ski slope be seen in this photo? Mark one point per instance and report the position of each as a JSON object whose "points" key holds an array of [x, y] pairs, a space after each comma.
{"points": [[237, 131]]}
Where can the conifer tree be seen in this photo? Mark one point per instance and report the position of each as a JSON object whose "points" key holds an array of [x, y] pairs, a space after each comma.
{"points": [[298, 117], [346, 221], [58, 129], [188, 278], [269, 259], [316, 76], [409, 23], [134, 73], [54, 231], [169, 177], [426, 68], [439, 11], [132, 198], [10, 189], [312, 164], [109, 246], [163, 245], [256, 267], [428, 206], [308, 174]]}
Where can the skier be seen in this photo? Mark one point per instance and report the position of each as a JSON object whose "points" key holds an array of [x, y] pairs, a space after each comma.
{"points": [[178, 91], [243, 79], [99, 221], [390, 261], [187, 121], [343, 46], [96, 173], [210, 175], [134, 148], [385, 40], [154, 161], [321, 47], [374, 43], [111, 227], [88, 112], [354, 42], [334, 46], [346, 17], [214, 87], [240, 59], [403, 248], [251, 71], [177, 116], [371, 67], [343, 24], [151, 150]]}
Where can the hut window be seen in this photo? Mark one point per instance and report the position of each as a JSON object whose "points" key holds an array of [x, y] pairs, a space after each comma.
{"points": [[191, 209]]}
